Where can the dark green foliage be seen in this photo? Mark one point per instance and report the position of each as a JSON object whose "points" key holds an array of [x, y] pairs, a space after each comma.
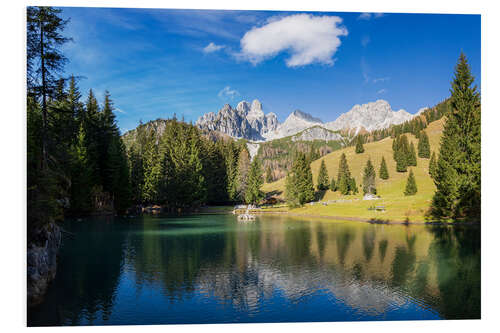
{"points": [[323, 181], [433, 166], [242, 173], [255, 180], [369, 178], [359, 145], [299, 184], [411, 185], [383, 172], [333, 186], [269, 175], [401, 164], [345, 183], [412, 156], [81, 187], [458, 172], [424, 148]]}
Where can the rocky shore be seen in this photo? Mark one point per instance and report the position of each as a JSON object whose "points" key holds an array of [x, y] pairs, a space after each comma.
{"points": [[42, 262]]}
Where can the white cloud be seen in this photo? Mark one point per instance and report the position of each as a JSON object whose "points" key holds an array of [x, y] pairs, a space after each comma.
{"points": [[381, 79], [119, 110], [307, 38], [369, 16], [228, 93], [382, 91], [211, 47]]}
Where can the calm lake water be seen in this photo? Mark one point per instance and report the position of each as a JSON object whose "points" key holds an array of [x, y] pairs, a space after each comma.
{"points": [[214, 269]]}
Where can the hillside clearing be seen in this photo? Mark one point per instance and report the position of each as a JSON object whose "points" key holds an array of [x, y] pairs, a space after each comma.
{"points": [[398, 207]]}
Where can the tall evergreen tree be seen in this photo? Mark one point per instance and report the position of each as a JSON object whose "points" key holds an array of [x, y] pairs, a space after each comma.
{"points": [[424, 148], [253, 193], [344, 179], [411, 185], [269, 174], [299, 183], [369, 179], [359, 145], [44, 60], [433, 166], [323, 182], [401, 162], [383, 172], [458, 174], [243, 169], [333, 185], [412, 156], [80, 196]]}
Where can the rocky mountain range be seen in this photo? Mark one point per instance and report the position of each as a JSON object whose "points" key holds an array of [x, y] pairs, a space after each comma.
{"points": [[246, 121], [249, 121]]}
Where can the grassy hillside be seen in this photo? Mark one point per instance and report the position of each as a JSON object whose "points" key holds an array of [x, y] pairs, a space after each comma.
{"points": [[398, 207]]}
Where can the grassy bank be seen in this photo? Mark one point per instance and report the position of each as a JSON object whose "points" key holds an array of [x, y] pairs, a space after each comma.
{"points": [[398, 207]]}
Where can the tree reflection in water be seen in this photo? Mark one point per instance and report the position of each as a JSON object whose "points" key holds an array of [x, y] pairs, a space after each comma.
{"points": [[260, 271]]}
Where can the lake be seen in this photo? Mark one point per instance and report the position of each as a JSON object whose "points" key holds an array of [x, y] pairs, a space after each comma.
{"points": [[214, 269]]}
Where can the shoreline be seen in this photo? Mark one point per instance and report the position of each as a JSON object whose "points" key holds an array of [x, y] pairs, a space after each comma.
{"points": [[365, 220]]}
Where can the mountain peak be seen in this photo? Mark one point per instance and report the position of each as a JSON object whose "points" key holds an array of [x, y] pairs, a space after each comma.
{"points": [[305, 116]]}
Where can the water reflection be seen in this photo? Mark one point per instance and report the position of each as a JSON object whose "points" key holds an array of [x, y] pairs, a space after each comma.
{"points": [[214, 269]]}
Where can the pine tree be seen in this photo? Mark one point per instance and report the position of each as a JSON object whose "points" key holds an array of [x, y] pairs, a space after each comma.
{"points": [[243, 169], [433, 166], [80, 194], [359, 145], [411, 185], [424, 148], [269, 175], [400, 158], [458, 173], [369, 179], [412, 156], [333, 186], [44, 60], [299, 184], [344, 179], [383, 172], [255, 180], [323, 182]]}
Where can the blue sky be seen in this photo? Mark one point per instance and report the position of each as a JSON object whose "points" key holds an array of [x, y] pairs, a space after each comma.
{"points": [[157, 62]]}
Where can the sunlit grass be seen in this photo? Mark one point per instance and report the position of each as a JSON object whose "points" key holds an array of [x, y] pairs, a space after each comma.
{"points": [[398, 207]]}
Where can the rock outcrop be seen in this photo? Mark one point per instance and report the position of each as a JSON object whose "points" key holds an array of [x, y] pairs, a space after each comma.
{"points": [[246, 121], [297, 121], [42, 262], [370, 116], [317, 133]]}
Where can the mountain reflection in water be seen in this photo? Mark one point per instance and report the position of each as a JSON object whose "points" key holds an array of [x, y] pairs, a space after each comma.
{"points": [[213, 269]]}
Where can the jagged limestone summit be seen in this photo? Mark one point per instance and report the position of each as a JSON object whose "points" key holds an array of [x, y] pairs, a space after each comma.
{"points": [[249, 121]]}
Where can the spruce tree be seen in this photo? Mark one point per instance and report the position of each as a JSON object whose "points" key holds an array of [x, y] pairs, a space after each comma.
{"points": [[424, 148], [333, 186], [269, 175], [412, 156], [458, 174], [433, 166], [253, 193], [243, 169], [299, 184], [411, 185], [359, 145], [323, 182], [344, 179], [401, 163], [369, 179], [383, 172]]}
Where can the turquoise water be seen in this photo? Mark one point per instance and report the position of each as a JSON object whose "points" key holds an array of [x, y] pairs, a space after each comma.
{"points": [[214, 269]]}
